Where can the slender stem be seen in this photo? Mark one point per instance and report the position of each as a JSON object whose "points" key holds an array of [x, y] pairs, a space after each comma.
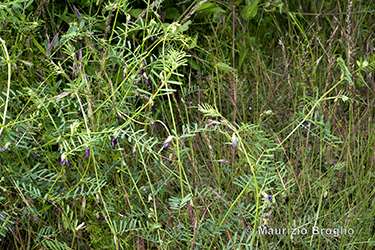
{"points": [[8, 88]]}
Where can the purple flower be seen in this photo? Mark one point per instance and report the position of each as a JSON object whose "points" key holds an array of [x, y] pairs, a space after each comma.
{"points": [[35, 155], [67, 163], [114, 142], [269, 198], [148, 81], [127, 21], [153, 106], [152, 38], [62, 163], [133, 154], [141, 70], [5, 147], [166, 143], [87, 153], [286, 200], [234, 143], [153, 124], [265, 195]]}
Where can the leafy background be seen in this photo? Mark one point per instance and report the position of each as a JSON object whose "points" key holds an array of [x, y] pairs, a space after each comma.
{"points": [[186, 124]]}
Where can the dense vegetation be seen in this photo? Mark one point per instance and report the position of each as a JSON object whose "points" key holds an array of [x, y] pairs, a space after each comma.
{"points": [[187, 124]]}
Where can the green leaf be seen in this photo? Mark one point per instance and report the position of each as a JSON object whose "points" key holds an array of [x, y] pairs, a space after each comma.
{"points": [[225, 67], [250, 11], [100, 26], [135, 12], [175, 82], [28, 5], [156, 226], [213, 10], [90, 70], [345, 71], [193, 64], [40, 47], [82, 24], [64, 18], [209, 8], [242, 57], [184, 27], [193, 42], [206, 6], [172, 13], [281, 5]]}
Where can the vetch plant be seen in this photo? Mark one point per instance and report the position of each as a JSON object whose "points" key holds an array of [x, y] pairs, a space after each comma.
{"points": [[266, 196], [166, 143], [234, 144], [64, 160], [5, 147], [87, 153], [119, 69], [115, 141]]}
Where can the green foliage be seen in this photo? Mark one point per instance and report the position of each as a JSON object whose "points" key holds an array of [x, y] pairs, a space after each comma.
{"points": [[250, 11], [183, 124]]}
